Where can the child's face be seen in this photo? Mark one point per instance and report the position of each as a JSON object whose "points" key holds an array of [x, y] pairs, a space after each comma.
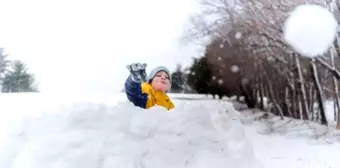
{"points": [[161, 81]]}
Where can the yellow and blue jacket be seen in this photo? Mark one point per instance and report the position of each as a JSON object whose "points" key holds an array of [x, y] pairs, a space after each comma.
{"points": [[144, 96]]}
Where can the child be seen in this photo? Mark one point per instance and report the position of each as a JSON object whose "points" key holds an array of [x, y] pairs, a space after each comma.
{"points": [[148, 91]]}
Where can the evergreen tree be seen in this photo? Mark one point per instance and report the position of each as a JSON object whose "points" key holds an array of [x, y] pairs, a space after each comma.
{"points": [[177, 80], [3, 63], [3, 66], [186, 87], [200, 75], [18, 79]]}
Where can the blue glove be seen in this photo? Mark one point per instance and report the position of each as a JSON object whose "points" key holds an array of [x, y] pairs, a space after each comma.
{"points": [[137, 71]]}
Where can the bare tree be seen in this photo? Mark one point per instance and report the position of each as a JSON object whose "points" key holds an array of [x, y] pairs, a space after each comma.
{"points": [[247, 34]]}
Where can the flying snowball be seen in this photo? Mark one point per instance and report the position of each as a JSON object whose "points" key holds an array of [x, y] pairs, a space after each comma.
{"points": [[310, 30]]}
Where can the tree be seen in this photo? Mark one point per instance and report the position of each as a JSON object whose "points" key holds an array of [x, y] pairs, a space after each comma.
{"points": [[177, 83], [200, 75], [3, 62], [18, 79], [216, 89], [246, 50], [3, 66]]}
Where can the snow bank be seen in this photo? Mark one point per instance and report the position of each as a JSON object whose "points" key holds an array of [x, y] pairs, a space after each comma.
{"points": [[291, 143], [189, 96], [104, 134], [292, 128]]}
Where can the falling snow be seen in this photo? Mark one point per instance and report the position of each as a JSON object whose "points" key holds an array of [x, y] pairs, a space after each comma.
{"points": [[270, 59], [235, 69], [238, 35], [245, 81]]}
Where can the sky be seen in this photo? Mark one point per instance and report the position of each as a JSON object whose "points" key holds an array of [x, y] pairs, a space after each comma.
{"points": [[85, 45]]}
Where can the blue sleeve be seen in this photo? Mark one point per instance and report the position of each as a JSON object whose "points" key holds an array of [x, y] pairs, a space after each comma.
{"points": [[134, 93]]}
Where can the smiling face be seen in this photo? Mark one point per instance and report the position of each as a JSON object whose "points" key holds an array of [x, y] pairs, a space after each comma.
{"points": [[161, 81]]}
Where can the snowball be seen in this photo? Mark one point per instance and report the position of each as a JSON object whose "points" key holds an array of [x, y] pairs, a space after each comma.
{"points": [[214, 78], [219, 58], [235, 69], [238, 35], [220, 81], [310, 30], [221, 45]]}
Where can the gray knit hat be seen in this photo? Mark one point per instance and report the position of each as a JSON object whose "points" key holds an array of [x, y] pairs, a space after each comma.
{"points": [[156, 70]]}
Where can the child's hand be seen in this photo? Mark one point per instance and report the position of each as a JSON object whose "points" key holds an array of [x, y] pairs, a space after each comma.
{"points": [[137, 71]]}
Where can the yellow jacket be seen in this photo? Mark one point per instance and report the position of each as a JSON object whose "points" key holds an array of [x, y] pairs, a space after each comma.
{"points": [[156, 98], [144, 96]]}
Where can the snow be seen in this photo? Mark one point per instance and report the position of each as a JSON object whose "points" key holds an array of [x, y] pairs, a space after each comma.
{"points": [[57, 131], [290, 142], [270, 59], [92, 132], [238, 35], [235, 69], [245, 81], [310, 29], [329, 110]]}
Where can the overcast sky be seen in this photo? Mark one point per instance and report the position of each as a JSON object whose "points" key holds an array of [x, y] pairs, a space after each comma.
{"points": [[84, 45]]}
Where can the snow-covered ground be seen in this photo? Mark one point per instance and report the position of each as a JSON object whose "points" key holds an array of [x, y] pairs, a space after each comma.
{"points": [[292, 143], [102, 131]]}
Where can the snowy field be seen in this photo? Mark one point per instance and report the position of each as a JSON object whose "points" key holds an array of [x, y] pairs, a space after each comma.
{"points": [[104, 131]]}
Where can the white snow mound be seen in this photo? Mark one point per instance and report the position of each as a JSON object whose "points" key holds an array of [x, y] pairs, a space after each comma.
{"points": [[89, 135], [310, 29]]}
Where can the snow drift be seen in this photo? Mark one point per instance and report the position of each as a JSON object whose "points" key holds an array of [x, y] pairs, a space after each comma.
{"points": [[91, 134]]}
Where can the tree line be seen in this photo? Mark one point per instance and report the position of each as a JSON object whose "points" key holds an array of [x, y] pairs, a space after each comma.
{"points": [[245, 55], [14, 76]]}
